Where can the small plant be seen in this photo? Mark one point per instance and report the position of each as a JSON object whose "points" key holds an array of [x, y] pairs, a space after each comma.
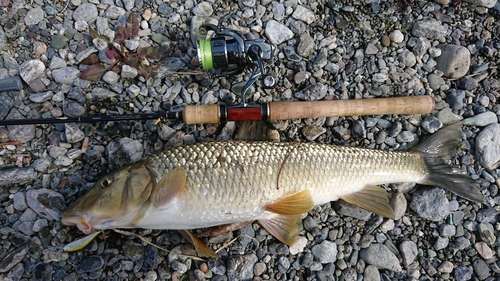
{"points": [[120, 55]]}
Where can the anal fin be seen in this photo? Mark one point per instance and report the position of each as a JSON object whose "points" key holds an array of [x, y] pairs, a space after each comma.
{"points": [[372, 198], [294, 204], [284, 228], [201, 248]]}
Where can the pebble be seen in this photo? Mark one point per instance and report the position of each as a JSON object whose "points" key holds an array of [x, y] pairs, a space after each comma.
{"points": [[482, 119], [381, 257], [488, 147], [10, 176], [124, 151], [241, 267], [102, 93], [399, 204], [484, 250], [277, 33], [486, 233], [303, 14], [65, 75], [12, 259], [46, 203], [454, 61], [31, 70], [430, 204], [396, 36], [462, 273], [455, 98], [346, 209], [326, 252], [446, 116], [85, 12], [371, 273], [441, 243], [299, 245], [431, 124], [430, 29], [19, 201], [312, 93], [409, 251], [435, 81]]}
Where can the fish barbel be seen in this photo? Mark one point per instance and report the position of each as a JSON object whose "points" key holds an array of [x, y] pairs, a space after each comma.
{"points": [[215, 183]]}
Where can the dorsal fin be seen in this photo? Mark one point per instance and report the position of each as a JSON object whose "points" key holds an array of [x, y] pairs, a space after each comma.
{"points": [[170, 186], [294, 204]]}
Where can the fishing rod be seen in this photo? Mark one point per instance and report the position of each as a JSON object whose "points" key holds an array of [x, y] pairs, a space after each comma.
{"points": [[271, 111], [227, 54]]}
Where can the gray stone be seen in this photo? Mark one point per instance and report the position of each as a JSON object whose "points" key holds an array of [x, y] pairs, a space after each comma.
{"points": [[441, 243], [241, 267], [488, 147], [312, 93], [381, 257], [306, 45], [430, 204], [10, 176], [46, 203], [102, 93], [277, 33], [278, 11], [326, 252], [431, 124], [481, 269], [31, 70], [73, 108], [22, 133], [312, 132], [41, 97], [435, 81], [73, 133], [128, 72], [430, 29], [454, 61], [124, 151], [482, 119], [487, 233], [462, 273], [12, 259], [203, 9], [409, 251], [304, 14], [487, 215], [399, 204], [483, 3], [407, 58], [421, 46], [34, 16], [66, 75], [85, 12], [19, 201], [446, 116], [346, 209], [371, 273], [447, 230], [455, 98], [396, 36]]}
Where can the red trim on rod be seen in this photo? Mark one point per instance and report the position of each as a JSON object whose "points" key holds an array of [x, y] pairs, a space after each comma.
{"points": [[244, 113]]}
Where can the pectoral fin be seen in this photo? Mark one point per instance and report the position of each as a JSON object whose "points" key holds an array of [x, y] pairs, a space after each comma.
{"points": [[201, 248], [169, 187], [294, 204], [372, 198], [284, 228]]}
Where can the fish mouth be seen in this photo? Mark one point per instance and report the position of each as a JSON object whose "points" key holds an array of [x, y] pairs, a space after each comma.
{"points": [[80, 220]]}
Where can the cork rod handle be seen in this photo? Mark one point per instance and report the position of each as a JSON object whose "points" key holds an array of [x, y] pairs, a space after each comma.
{"points": [[212, 114], [378, 106]]}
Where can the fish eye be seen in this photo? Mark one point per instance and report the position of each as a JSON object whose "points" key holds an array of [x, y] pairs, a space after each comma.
{"points": [[107, 181]]}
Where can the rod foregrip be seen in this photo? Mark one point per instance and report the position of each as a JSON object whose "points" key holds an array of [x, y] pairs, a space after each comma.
{"points": [[201, 114], [377, 106]]}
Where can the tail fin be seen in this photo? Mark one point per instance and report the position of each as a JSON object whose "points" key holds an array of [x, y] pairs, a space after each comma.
{"points": [[436, 151]]}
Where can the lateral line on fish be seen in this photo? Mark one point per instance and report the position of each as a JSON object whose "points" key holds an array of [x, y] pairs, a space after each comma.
{"points": [[124, 232], [297, 142]]}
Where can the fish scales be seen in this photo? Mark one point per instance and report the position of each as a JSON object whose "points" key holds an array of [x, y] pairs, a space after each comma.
{"points": [[232, 181]]}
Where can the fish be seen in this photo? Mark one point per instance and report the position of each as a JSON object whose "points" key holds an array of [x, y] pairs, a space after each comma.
{"points": [[217, 183]]}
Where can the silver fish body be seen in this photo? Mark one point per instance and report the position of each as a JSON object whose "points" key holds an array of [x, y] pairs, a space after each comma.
{"points": [[216, 183]]}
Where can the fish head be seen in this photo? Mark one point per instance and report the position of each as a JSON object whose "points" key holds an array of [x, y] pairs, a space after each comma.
{"points": [[114, 201]]}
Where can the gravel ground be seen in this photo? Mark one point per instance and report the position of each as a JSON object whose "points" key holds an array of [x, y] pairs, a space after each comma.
{"points": [[326, 50]]}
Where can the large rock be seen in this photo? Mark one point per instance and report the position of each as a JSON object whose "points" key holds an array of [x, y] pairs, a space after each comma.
{"points": [[454, 61], [488, 147]]}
